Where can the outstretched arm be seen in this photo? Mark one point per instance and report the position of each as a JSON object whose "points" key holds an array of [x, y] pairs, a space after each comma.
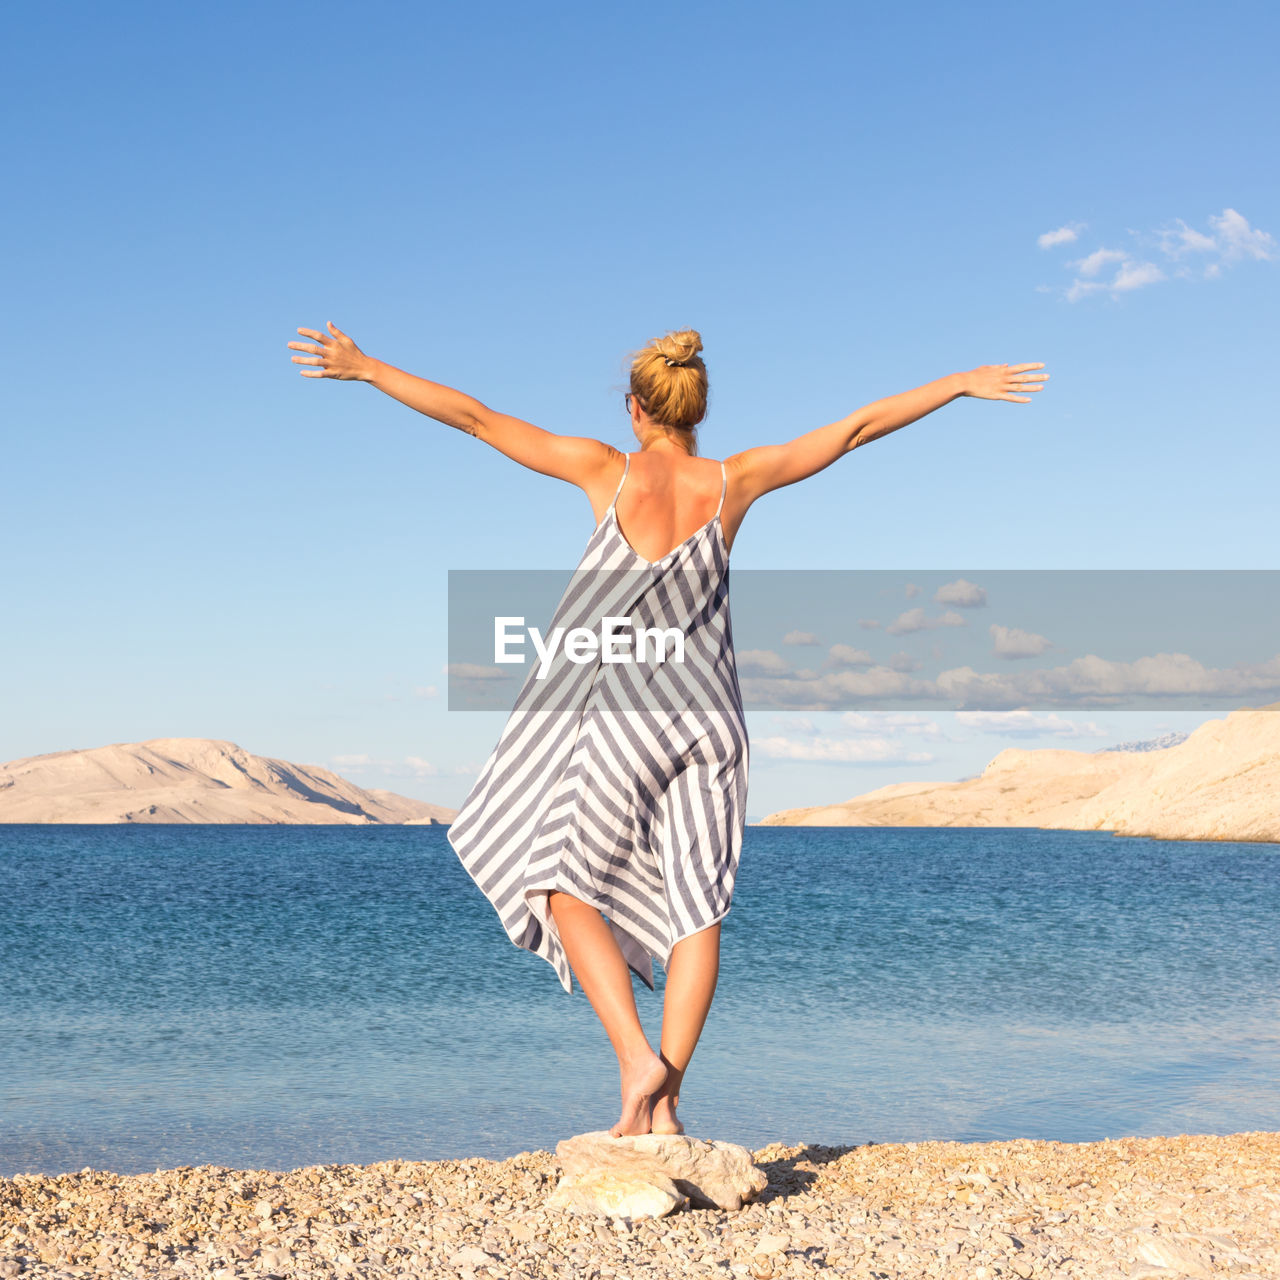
{"points": [[772, 466], [579, 460]]}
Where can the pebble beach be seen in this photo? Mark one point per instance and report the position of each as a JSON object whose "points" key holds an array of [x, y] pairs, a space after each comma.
{"points": [[1190, 1205]]}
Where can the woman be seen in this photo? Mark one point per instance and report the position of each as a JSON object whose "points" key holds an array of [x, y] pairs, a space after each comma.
{"points": [[606, 835]]}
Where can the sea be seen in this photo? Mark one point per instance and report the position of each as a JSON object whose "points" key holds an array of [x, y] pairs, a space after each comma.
{"points": [[273, 997]]}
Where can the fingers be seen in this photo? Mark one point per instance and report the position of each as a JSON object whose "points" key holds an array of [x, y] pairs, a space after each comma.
{"points": [[1024, 382], [320, 346]]}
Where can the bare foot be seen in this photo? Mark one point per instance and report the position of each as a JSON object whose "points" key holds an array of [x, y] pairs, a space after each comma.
{"points": [[664, 1118], [641, 1078]]}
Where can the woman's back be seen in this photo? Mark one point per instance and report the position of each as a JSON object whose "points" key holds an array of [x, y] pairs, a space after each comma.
{"points": [[666, 498]]}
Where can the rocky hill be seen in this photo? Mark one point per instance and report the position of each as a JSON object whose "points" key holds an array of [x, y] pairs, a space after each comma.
{"points": [[192, 780], [1222, 782]]}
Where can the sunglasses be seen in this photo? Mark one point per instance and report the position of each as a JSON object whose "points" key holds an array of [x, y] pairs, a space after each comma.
{"points": [[627, 401]]}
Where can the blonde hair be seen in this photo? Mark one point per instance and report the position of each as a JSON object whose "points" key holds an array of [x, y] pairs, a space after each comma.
{"points": [[669, 379]]}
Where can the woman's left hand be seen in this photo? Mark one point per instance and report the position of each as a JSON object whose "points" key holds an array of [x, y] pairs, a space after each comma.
{"points": [[337, 356]]}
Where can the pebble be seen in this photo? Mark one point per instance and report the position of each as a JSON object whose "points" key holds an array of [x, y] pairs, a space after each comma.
{"points": [[1190, 1205]]}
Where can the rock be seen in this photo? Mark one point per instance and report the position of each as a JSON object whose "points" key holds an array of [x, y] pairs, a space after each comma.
{"points": [[1160, 1251], [772, 1243], [644, 1194], [470, 1256], [711, 1174]]}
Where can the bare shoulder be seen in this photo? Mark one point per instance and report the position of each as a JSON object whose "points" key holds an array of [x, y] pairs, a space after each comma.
{"points": [[745, 472], [599, 474], [579, 460], [767, 467]]}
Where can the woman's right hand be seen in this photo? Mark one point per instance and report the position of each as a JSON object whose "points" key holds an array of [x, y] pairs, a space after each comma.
{"points": [[1002, 381]]}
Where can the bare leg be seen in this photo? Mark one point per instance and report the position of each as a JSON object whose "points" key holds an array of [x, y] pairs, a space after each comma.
{"points": [[602, 970], [691, 982]]}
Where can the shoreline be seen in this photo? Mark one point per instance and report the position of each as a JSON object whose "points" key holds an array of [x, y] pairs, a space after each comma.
{"points": [[1195, 1204]]}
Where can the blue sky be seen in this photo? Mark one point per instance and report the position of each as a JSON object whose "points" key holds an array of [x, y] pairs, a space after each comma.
{"points": [[846, 200]]}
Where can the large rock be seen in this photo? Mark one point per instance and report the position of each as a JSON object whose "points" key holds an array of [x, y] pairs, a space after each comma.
{"points": [[601, 1172], [646, 1194]]}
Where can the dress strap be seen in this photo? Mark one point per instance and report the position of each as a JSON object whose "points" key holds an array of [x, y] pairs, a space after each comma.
{"points": [[621, 482], [724, 485]]}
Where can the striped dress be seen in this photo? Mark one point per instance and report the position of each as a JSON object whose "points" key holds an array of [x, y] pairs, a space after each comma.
{"points": [[622, 783]]}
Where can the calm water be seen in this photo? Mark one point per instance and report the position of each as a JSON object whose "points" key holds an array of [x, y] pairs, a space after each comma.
{"points": [[271, 997]]}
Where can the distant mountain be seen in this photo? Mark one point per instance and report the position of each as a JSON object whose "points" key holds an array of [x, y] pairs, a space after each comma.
{"points": [[1149, 744], [1221, 782], [193, 780]]}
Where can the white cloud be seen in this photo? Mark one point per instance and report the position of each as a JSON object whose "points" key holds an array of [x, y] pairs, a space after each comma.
{"points": [[795, 724], [837, 750], [1238, 239], [1232, 240], [962, 593], [761, 661], [1184, 239], [1133, 275], [420, 768], [905, 722], [1099, 258], [915, 620], [1092, 680], [1080, 288], [1062, 235], [1011, 642], [1084, 682], [475, 671], [903, 661], [800, 637], [408, 767], [847, 656], [831, 689], [1023, 723]]}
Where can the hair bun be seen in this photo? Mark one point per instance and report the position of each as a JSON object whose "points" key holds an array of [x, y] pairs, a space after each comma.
{"points": [[673, 401], [679, 347]]}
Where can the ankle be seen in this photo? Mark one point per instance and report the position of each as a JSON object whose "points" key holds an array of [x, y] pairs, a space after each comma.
{"points": [[640, 1055]]}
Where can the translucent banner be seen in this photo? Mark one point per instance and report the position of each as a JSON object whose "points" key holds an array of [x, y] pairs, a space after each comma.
{"points": [[879, 639]]}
